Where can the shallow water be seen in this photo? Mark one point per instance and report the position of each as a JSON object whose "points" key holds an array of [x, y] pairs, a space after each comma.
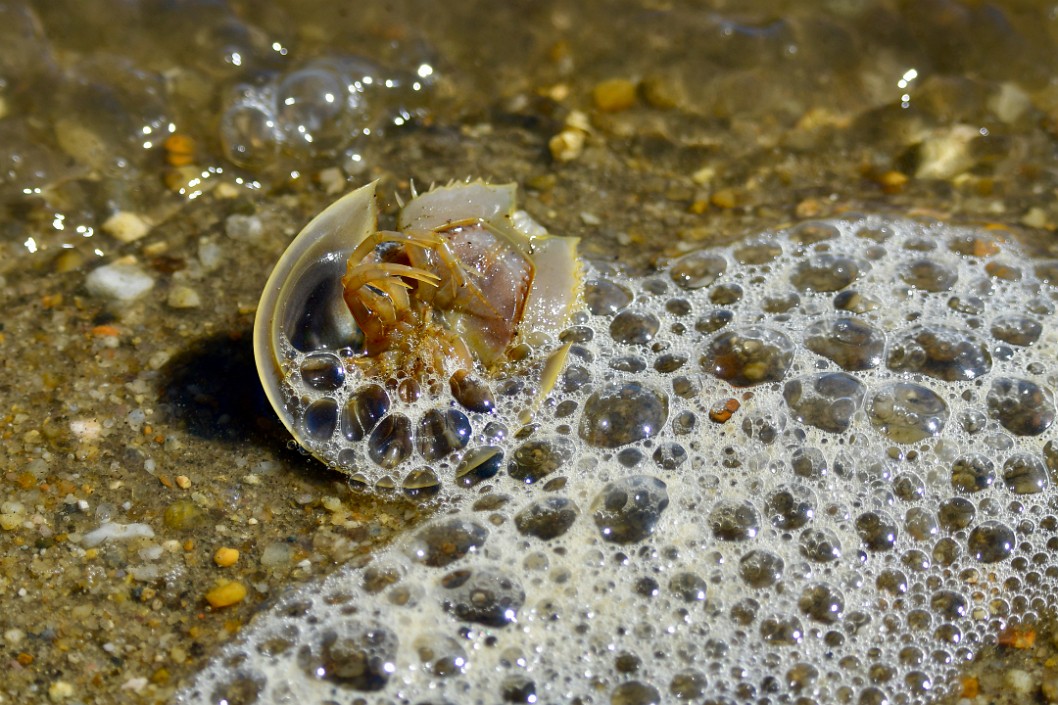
{"points": [[187, 142]]}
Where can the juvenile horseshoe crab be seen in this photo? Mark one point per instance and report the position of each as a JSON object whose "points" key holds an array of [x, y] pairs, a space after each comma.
{"points": [[377, 347]]}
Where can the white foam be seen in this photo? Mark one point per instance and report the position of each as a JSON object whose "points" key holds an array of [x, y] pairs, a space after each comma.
{"points": [[612, 622]]}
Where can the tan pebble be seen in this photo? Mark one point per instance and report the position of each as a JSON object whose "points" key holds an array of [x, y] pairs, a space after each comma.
{"points": [[183, 297], [661, 93], [10, 521], [704, 175], [226, 594], [183, 482], [226, 190], [126, 226], [60, 691], [558, 92], [566, 145], [578, 120], [1035, 217], [724, 198], [614, 95], [68, 261], [809, 208], [892, 181], [332, 179], [1049, 685], [225, 556]]}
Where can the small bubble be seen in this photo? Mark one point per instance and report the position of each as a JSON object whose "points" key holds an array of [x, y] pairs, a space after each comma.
{"points": [[442, 432], [826, 273], [604, 298], [689, 587], [320, 420], [444, 542], [323, 372], [760, 568], [877, 531], [1025, 473], [927, 275], [697, 270], [907, 412], [941, 352], [547, 518], [734, 521], [991, 542], [819, 545], [749, 356], [391, 443], [482, 596], [827, 401], [628, 510], [850, 343], [822, 603], [1022, 407], [620, 414]]}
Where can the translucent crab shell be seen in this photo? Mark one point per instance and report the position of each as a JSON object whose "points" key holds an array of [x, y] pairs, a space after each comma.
{"points": [[302, 314]]}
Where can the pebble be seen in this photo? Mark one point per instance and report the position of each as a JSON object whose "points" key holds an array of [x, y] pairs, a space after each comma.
{"points": [[243, 227], [1049, 686], [60, 691], [946, 153], [126, 226], [614, 95], [226, 557], [117, 532], [226, 594], [1020, 681], [566, 145], [122, 281], [183, 297]]}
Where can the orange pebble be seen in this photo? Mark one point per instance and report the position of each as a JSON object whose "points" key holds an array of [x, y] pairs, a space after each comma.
{"points": [[105, 331], [1018, 638], [179, 149], [721, 414]]}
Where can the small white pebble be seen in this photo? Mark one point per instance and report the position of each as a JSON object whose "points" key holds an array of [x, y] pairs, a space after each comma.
{"points": [[119, 281], [126, 226], [85, 429], [590, 218], [117, 532], [332, 179], [59, 691], [14, 636], [243, 227], [210, 254], [1020, 681]]}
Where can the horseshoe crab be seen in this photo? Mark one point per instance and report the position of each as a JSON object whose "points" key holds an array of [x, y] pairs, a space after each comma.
{"points": [[379, 346]]}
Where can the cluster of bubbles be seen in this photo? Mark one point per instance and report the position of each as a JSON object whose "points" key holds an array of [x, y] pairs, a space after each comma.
{"points": [[809, 467], [318, 109]]}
